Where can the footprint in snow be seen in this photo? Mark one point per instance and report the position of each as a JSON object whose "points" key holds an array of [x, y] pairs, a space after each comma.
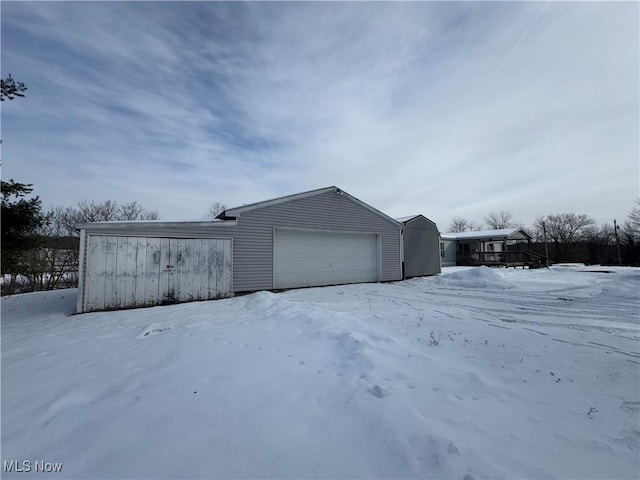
{"points": [[630, 406], [377, 391], [151, 331]]}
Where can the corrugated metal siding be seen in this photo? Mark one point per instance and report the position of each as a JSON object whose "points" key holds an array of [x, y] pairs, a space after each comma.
{"points": [[253, 235], [421, 248]]}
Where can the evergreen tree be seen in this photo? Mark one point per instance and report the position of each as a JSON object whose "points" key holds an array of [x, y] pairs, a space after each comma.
{"points": [[9, 89], [20, 221]]}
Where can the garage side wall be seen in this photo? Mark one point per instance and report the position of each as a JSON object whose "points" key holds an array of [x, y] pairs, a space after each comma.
{"points": [[421, 248], [253, 236], [253, 245]]}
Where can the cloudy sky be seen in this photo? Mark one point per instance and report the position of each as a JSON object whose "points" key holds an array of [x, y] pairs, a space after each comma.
{"points": [[445, 109]]}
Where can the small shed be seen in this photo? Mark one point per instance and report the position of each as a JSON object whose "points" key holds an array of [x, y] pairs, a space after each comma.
{"points": [[314, 238], [421, 242]]}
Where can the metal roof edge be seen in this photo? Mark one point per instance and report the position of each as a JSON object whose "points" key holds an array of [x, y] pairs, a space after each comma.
{"points": [[485, 234], [411, 218], [153, 224], [235, 212], [370, 208]]}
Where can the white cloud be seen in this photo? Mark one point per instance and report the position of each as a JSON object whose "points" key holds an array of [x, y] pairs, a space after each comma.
{"points": [[445, 109]]}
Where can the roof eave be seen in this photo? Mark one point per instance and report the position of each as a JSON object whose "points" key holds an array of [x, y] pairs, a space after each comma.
{"points": [[152, 224]]}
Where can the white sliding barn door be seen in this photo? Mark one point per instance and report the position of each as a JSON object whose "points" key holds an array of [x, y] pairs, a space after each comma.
{"points": [[125, 272]]}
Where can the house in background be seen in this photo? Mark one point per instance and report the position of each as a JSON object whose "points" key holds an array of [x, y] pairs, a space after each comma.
{"points": [[320, 237], [509, 247], [421, 239]]}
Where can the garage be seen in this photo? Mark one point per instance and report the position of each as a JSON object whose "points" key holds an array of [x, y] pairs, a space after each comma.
{"points": [[314, 238], [305, 258], [131, 271]]}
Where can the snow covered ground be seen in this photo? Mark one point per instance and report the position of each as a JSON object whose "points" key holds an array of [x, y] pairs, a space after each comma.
{"points": [[477, 373]]}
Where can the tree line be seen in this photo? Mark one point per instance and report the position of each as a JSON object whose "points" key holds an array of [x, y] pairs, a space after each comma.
{"points": [[40, 249], [571, 237]]}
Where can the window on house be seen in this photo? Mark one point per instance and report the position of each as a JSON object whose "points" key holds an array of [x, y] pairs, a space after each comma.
{"points": [[442, 249]]}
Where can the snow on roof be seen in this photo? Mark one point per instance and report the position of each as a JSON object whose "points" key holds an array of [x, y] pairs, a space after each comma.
{"points": [[406, 219], [487, 234]]}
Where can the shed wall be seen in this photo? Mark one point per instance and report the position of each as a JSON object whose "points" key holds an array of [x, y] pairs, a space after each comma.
{"points": [[421, 248]]}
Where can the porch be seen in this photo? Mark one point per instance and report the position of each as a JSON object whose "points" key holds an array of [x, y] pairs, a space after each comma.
{"points": [[516, 258], [506, 247]]}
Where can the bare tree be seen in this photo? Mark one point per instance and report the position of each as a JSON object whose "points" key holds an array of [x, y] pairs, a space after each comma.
{"points": [[564, 229], [602, 234], [88, 212], [500, 220], [58, 256], [632, 224], [600, 243], [54, 262], [134, 211], [459, 224], [216, 209], [108, 211]]}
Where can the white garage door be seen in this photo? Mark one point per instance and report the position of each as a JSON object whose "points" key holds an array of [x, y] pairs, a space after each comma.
{"points": [[125, 272], [305, 259]]}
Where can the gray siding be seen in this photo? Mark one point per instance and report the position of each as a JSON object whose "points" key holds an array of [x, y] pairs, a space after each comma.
{"points": [[449, 259], [421, 248], [253, 234], [253, 246]]}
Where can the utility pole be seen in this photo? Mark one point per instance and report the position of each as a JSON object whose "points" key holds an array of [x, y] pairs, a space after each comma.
{"points": [[546, 247], [615, 229]]}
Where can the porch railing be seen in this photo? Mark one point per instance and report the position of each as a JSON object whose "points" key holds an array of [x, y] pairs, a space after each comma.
{"points": [[516, 258]]}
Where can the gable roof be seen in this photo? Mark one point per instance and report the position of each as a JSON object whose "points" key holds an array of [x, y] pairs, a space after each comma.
{"points": [[405, 220], [501, 234], [238, 211]]}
